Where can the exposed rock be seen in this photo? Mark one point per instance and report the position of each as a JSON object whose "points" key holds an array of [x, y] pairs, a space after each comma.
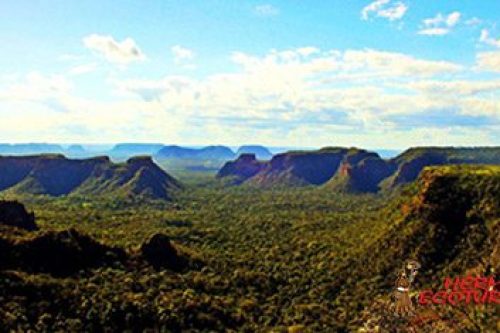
{"points": [[409, 170], [361, 171], [56, 175], [353, 170], [160, 253], [13, 213], [412, 161], [245, 167], [300, 168]]}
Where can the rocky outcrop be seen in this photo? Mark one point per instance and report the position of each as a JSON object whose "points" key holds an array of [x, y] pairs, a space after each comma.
{"points": [[14, 214], [411, 162], [351, 170], [296, 168], [300, 168], [245, 167], [55, 175], [361, 172]]}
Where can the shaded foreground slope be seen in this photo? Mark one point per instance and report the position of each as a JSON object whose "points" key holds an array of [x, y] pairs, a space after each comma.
{"points": [[55, 175], [452, 227]]}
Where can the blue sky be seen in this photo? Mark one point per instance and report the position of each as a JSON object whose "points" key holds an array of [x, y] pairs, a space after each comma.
{"points": [[376, 74]]}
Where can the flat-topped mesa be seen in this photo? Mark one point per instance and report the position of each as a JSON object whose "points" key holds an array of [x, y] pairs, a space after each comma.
{"points": [[140, 161], [243, 168], [295, 168], [411, 162], [351, 169], [361, 171], [261, 152], [55, 175], [206, 153]]}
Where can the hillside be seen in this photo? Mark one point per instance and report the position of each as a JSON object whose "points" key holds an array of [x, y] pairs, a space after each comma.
{"points": [[351, 169], [56, 175], [451, 225]]}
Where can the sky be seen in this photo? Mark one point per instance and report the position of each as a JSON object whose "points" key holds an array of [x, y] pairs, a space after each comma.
{"points": [[373, 74]]}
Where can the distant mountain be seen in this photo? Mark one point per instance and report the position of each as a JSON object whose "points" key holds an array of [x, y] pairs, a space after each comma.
{"points": [[134, 149], [30, 149], [260, 152], [56, 175], [351, 169], [206, 153], [76, 151]]}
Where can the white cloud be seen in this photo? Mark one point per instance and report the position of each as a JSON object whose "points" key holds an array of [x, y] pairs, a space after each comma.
{"points": [[489, 61], [183, 56], [120, 53], [302, 96], [35, 86], [288, 87], [473, 21], [458, 88], [83, 69], [266, 10], [386, 9], [487, 39], [440, 25]]}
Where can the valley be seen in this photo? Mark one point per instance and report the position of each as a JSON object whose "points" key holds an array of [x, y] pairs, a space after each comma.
{"points": [[257, 259]]}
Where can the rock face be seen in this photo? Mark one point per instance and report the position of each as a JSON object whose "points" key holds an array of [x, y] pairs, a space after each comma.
{"points": [[260, 152], [411, 162], [55, 175], [13, 213], [360, 172], [295, 168], [350, 169], [300, 168], [160, 253], [245, 167], [60, 253], [409, 170]]}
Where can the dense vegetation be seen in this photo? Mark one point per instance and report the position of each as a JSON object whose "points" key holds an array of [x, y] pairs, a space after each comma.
{"points": [[283, 260]]}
